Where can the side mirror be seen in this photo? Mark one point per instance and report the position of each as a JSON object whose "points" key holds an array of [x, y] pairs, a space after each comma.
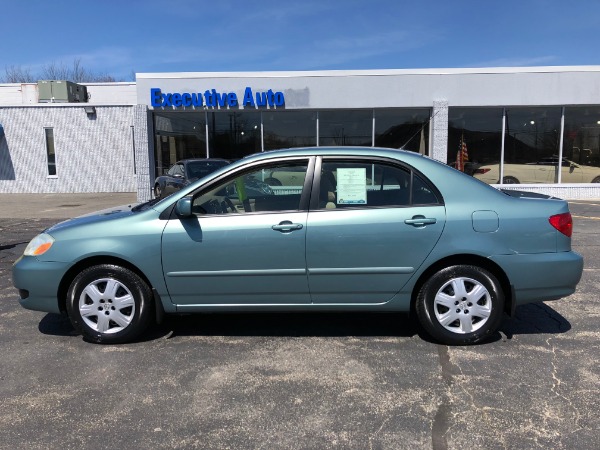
{"points": [[183, 208]]}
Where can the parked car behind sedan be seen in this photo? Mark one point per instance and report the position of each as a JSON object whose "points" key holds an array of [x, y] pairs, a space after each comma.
{"points": [[184, 172], [362, 229], [543, 171]]}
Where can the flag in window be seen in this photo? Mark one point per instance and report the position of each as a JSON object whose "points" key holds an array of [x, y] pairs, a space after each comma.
{"points": [[462, 155]]}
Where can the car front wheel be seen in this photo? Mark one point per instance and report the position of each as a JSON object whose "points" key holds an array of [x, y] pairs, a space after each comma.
{"points": [[109, 304], [157, 191], [460, 305]]}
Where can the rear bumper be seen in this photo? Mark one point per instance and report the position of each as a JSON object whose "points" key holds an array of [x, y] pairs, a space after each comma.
{"points": [[541, 276], [38, 281]]}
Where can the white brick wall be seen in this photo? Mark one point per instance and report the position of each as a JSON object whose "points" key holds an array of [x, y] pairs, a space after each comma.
{"points": [[93, 154]]}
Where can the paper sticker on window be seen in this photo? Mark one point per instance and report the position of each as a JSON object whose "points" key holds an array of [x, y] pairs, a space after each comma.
{"points": [[352, 186]]}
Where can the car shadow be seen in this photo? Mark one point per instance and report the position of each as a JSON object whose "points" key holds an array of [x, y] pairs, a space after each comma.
{"points": [[535, 318]]}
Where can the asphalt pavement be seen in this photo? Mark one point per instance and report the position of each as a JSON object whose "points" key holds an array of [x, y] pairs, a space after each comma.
{"points": [[296, 381]]}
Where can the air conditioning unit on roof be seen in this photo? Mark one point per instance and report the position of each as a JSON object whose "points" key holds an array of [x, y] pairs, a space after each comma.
{"points": [[61, 91]]}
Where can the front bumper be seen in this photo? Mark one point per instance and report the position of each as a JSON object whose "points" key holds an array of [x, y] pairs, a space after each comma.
{"points": [[542, 276], [39, 282]]}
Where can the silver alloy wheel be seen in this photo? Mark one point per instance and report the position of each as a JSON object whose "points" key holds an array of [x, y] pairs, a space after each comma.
{"points": [[462, 305], [106, 305]]}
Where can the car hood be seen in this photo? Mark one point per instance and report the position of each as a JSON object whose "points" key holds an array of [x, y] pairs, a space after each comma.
{"points": [[104, 215]]}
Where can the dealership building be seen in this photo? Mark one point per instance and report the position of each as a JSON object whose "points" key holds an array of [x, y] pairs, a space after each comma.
{"points": [[535, 128]]}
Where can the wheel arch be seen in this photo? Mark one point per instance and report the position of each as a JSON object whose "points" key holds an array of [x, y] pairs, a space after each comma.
{"points": [[80, 266], [473, 260]]}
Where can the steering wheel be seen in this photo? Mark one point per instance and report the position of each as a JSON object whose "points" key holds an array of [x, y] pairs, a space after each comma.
{"points": [[228, 204]]}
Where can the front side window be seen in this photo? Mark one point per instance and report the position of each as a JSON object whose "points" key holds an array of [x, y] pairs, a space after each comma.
{"points": [[49, 132], [345, 184], [255, 191]]}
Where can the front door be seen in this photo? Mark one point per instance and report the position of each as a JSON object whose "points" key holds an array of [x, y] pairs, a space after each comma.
{"points": [[245, 245]]}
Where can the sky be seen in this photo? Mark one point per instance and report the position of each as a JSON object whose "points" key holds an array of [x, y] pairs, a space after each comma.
{"points": [[124, 37]]}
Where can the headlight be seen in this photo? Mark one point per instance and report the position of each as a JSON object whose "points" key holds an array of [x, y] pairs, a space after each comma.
{"points": [[39, 245]]}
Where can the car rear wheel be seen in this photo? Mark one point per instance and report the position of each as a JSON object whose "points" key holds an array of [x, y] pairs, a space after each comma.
{"points": [[109, 304], [510, 180], [460, 305], [157, 191]]}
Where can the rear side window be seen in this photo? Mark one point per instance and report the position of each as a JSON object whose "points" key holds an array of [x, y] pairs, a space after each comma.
{"points": [[345, 184]]}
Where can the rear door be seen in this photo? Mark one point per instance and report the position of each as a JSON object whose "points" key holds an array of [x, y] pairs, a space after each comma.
{"points": [[372, 226]]}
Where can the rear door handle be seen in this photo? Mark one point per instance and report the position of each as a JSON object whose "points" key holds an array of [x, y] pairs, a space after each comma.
{"points": [[286, 226], [420, 221]]}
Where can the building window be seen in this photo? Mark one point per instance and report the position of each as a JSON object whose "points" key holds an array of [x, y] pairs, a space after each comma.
{"points": [[234, 134], [403, 128], [531, 145], [287, 129], [581, 145], [477, 132], [346, 127], [178, 136], [50, 153]]}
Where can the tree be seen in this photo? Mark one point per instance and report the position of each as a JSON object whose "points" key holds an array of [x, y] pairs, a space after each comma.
{"points": [[16, 74], [56, 71]]}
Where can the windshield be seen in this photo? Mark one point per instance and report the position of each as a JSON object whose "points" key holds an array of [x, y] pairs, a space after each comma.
{"points": [[199, 169]]}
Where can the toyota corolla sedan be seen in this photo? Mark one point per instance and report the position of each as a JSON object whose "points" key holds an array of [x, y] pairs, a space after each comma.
{"points": [[360, 229]]}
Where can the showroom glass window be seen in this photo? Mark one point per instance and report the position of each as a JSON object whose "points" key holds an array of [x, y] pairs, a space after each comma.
{"points": [[532, 138], [50, 153], [178, 135], [581, 145], [346, 128], [287, 129], [233, 134], [403, 128], [480, 130]]}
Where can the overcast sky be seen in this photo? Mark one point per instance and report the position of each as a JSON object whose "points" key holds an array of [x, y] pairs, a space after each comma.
{"points": [[127, 36]]}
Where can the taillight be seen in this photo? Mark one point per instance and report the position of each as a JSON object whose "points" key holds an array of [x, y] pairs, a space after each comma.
{"points": [[482, 170], [563, 223]]}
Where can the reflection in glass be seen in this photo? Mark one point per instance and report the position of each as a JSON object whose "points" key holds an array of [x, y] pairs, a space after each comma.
{"points": [[287, 129], [233, 134], [531, 147], [480, 131], [581, 145], [347, 127], [403, 128], [178, 136]]}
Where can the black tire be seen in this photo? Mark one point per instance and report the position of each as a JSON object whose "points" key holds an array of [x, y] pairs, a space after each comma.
{"points": [[510, 180], [453, 304], [157, 191], [596, 180], [122, 307]]}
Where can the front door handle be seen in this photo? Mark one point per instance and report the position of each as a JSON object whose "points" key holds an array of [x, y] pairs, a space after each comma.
{"points": [[420, 221], [286, 226]]}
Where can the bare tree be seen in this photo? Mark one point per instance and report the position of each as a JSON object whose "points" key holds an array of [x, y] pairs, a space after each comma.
{"points": [[17, 74], [56, 71]]}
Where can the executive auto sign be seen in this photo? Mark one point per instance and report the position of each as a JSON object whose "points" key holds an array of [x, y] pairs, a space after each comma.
{"points": [[211, 98]]}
